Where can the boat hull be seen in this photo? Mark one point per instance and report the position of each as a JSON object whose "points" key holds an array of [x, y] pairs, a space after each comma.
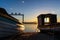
{"points": [[7, 29]]}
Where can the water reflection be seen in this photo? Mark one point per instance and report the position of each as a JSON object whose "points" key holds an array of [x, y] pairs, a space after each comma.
{"points": [[31, 28]]}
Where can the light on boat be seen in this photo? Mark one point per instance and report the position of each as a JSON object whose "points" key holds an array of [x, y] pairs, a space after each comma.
{"points": [[46, 19], [21, 27]]}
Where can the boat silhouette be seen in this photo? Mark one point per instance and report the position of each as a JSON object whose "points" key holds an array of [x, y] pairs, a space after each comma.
{"points": [[48, 23], [8, 24]]}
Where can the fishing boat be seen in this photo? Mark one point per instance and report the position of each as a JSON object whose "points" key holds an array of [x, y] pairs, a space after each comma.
{"points": [[48, 23], [8, 24]]}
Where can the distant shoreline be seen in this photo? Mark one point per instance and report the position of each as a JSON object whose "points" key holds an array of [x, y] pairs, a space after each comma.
{"points": [[29, 22]]}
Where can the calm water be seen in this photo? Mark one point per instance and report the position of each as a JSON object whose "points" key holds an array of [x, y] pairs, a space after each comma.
{"points": [[30, 27]]}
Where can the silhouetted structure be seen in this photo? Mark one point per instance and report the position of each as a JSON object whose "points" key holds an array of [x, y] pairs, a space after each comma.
{"points": [[51, 18], [19, 14], [47, 21], [8, 24]]}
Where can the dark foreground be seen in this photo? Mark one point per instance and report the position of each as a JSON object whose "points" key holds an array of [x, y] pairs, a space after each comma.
{"points": [[33, 36]]}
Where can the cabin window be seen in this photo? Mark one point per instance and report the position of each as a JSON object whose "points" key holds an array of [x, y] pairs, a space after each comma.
{"points": [[46, 20]]}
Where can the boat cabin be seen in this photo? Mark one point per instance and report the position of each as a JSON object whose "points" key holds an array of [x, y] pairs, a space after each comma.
{"points": [[47, 20]]}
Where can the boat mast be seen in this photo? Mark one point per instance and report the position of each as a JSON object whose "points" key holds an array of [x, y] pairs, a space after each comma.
{"points": [[19, 14]]}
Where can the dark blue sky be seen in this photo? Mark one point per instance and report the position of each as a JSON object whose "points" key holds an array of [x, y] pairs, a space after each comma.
{"points": [[31, 8]]}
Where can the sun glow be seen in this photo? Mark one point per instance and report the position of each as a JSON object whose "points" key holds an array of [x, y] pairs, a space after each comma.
{"points": [[58, 19]]}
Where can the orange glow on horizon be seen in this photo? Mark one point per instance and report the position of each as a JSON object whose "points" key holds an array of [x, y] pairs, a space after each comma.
{"points": [[31, 20], [58, 19]]}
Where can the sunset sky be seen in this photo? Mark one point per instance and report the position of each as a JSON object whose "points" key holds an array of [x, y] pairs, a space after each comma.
{"points": [[31, 8]]}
